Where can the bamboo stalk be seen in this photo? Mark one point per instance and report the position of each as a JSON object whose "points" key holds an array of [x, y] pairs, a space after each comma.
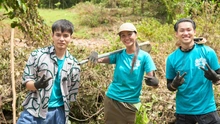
{"points": [[12, 76]]}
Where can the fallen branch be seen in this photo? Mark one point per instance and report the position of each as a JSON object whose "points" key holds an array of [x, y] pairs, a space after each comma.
{"points": [[12, 76]]}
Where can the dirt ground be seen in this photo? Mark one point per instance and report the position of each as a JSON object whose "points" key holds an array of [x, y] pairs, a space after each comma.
{"points": [[91, 43]]}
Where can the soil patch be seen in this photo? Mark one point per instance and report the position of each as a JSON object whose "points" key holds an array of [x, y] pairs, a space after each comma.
{"points": [[91, 43]]}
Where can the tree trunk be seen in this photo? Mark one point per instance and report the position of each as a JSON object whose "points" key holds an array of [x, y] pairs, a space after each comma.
{"points": [[133, 6], [142, 6]]}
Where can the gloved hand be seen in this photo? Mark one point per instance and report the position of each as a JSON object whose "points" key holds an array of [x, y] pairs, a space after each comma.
{"points": [[211, 74], [42, 83], [178, 80], [151, 81], [92, 59]]}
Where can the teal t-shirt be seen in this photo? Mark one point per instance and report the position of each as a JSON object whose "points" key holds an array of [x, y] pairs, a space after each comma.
{"points": [[56, 98], [195, 96], [126, 86]]}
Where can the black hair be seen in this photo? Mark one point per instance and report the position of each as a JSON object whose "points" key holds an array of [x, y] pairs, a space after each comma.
{"points": [[135, 56], [184, 20], [63, 25]]}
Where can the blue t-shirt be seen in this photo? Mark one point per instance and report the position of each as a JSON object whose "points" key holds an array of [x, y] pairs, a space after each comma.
{"points": [[126, 86], [195, 96], [56, 98]]}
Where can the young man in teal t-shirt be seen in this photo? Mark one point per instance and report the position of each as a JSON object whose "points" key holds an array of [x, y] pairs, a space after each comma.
{"points": [[191, 71], [52, 77]]}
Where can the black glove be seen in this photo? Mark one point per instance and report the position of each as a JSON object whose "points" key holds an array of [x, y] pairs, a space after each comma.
{"points": [[151, 81], [178, 80], [42, 83], [211, 74]]}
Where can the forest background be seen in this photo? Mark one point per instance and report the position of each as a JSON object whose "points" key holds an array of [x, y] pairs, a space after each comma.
{"points": [[96, 23]]}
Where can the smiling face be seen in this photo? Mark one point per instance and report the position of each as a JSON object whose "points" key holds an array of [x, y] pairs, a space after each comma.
{"points": [[185, 33], [61, 39], [128, 38]]}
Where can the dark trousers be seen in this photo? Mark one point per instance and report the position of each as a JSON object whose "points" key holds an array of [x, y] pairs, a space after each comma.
{"points": [[209, 118]]}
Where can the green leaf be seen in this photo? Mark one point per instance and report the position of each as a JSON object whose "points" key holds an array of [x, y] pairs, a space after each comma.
{"points": [[24, 8], [5, 6], [19, 3], [11, 14], [14, 24]]}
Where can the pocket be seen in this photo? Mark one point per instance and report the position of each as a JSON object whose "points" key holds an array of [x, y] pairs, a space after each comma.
{"points": [[209, 118], [129, 106]]}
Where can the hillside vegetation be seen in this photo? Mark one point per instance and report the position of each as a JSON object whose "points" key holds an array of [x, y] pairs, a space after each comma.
{"points": [[97, 24]]}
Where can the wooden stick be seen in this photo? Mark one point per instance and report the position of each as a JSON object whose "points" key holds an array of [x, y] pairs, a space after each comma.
{"points": [[12, 76], [146, 46]]}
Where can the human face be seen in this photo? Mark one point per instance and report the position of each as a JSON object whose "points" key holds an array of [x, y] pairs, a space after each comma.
{"points": [[61, 39], [128, 38], [185, 33]]}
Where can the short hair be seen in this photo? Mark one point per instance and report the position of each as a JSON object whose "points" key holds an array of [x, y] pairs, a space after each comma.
{"points": [[63, 25], [184, 20]]}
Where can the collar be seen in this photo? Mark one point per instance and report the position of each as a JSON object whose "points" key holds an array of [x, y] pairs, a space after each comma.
{"points": [[186, 50], [52, 52]]}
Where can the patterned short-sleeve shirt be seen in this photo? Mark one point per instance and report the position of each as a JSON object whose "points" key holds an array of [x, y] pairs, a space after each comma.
{"points": [[41, 62]]}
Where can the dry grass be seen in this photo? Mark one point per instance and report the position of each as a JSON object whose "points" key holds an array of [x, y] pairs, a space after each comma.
{"points": [[94, 81]]}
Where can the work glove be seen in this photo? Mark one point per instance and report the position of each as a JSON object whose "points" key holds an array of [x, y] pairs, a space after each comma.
{"points": [[151, 81], [211, 74], [178, 80], [42, 83], [93, 59]]}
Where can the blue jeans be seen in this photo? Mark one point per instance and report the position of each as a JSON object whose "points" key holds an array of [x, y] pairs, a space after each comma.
{"points": [[54, 116], [209, 118]]}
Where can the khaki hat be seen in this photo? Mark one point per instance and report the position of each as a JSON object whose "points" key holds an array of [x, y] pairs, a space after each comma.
{"points": [[127, 27]]}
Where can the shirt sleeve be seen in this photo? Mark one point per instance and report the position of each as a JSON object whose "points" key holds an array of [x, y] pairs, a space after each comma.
{"points": [[30, 69], [213, 60], [149, 66], [112, 58], [170, 72]]}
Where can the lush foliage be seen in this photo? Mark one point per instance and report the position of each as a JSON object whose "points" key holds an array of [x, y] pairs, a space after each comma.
{"points": [[166, 10], [25, 16], [101, 21]]}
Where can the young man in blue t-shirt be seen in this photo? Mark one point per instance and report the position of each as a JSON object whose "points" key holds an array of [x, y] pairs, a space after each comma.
{"points": [[52, 77], [191, 71]]}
